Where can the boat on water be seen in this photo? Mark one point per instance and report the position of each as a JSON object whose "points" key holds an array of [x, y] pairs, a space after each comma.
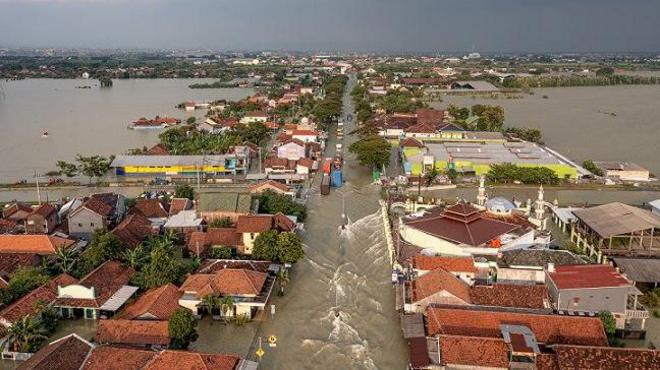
{"points": [[44, 134], [158, 123]]}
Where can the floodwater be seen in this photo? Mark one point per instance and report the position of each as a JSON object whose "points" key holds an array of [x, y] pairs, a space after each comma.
{"points": [[338, 312], [86, 121], [599, 123]]}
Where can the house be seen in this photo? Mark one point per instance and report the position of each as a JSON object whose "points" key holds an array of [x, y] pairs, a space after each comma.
{"points": [[155, 304], [133, 230], [158, 149], [254, 116], [10, 262], [154, 209], [249, 289], [179, 204], [463, 230], [616, 229], [99, 294], [199, 242], [440, 287], [42, 220], [528, 265], [305, 135], [279, 165], [293, 149], [461, 267], [271, 185], [478, 86], [98, 212], [250, 227], [547, 329], [8, 226], [66, 353], [589, 289], [305, 166], [74, 353], [565, 357], [624, 171], [16, 211], [655, 206], [211, 206], [46, 294], [42, 245], [184, 223], [137, 333]]}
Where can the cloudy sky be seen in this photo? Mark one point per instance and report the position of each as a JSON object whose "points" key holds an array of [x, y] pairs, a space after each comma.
{"points": [[365, 25]]}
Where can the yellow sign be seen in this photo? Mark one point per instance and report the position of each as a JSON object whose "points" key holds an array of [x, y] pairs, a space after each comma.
{"points": [[260, 353]]}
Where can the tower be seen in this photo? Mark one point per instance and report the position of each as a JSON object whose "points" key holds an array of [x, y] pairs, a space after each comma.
{"points": [[539, 210], [481, 196]]}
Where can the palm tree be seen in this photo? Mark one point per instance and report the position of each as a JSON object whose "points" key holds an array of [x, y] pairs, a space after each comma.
{"points": [[211, 302], [24, 333], [134, 258], [226, 303], [283, 280], [430, 176], [65, 259]]}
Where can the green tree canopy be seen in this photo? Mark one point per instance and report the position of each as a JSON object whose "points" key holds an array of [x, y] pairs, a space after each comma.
{"points": [[289, 248], [182, 328], [372, 151], [184, 191], [265, 246], [271, 202]]}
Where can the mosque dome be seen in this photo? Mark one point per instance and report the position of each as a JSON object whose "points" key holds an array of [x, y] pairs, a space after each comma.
{"points": [[500, 205]]}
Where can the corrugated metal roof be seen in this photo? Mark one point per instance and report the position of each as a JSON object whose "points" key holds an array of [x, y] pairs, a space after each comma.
{"points": [[119, 298], [617, 218], [170, 160], [641, 270]]}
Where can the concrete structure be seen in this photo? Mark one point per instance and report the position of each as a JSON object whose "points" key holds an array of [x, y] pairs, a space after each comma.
{"points": [[624, 171], [182, 165]]}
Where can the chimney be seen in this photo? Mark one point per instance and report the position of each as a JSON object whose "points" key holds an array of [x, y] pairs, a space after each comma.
{"points": [[551, 267]]}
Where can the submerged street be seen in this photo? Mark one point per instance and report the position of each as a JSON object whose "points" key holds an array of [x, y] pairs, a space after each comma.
{"points": [[338, 312]]}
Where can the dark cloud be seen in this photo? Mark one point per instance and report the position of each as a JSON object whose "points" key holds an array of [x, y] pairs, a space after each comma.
{"points": [[369, 25]]}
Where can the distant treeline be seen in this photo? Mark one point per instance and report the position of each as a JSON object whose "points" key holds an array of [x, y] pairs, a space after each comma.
{"points": [[574, 80]]}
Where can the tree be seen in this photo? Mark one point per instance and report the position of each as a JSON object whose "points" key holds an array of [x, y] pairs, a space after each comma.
{"points": [[289, 248], [67, 169], [283, 280], [459, 113], [105, 82], [372, 151], [265, 246], [212, 303], [24, 280], [222, 222], [94, 166], [26, 334], [104, 246], [182, 328], [609, 322], [491, 117], [163, 266], [184, 191], [272, 202], [226, 304], [135, 258], [65, 259], [430, 176], [191, 120], [590, 166], [220, 253]]}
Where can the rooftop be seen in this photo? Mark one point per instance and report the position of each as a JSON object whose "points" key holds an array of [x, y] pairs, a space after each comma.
{"points": [[67, 353], [132, 332], [587, 276], [537, 258], [489, 153], [228, 282], [36, 244], [224, 202], [156, 303], [617, 218], [452, 264]]}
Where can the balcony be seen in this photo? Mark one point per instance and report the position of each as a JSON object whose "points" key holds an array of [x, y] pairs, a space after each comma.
{"points": [[637, 314]]}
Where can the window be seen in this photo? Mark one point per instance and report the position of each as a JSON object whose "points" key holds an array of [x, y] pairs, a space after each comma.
{"points": [[91, 224], [79, 225]]}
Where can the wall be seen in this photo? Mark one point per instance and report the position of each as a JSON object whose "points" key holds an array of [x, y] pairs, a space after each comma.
{"points": [[425, 240], [76, 291], [83, 222]]}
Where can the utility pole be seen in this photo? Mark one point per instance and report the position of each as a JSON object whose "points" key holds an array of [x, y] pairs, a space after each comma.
{"points": [[197, 166], [38, 190]]}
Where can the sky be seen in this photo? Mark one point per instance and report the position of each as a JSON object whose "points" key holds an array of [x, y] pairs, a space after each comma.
{"points": [[346, 25]]}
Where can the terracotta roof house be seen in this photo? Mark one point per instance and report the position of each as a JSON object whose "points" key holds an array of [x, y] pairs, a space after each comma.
{"points": [[100, 211], [212, 266], [33, 244], [155, 304], [250, 290], [133, 230], [180, 204], [463, 230], [547, 329], [250, 227], [10, 262], [42, 220], [283, 223], [305, 135], [158, 149], [527, 265], [118, 358], [8, 226], [440, 287], [16, 211], [271, 185], [140, 333], [67, 353], [605, 358], [154, 209], [199, 242], [594, 288], [100, 293], [46, 293], [466, 352], [462, 267], [411, 142]]}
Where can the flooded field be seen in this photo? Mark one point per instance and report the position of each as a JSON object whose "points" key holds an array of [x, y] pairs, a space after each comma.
{"points": [[598, 123], [86, 121]]}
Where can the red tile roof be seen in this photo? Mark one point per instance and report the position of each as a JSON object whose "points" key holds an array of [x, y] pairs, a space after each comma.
{"points": [[158, 149], [462, 224], [200, 241], [179, 204], [156, 303], [473, 351], [133, 230], [304, 133], [511, 295], [106, 280], [411, 142], [95, 205], [132, 332], [118, 358], [169, 359], [46, 293], [35, 244], [587, 276], [270, 185], [211, 266], [152, 208], [238, 282], [418, 352], [254, 223], [44, 210], [451, 264], [548, 329], [606, 358], [439, 280], [10, 262], [283, 223], [67, 353]]}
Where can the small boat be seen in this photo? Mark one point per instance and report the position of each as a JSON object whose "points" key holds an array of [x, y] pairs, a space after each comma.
{"points": [[44, 134]]}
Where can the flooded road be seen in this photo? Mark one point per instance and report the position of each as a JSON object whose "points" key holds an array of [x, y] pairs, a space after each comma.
{"points": [[338, 312], [87, 121]]}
